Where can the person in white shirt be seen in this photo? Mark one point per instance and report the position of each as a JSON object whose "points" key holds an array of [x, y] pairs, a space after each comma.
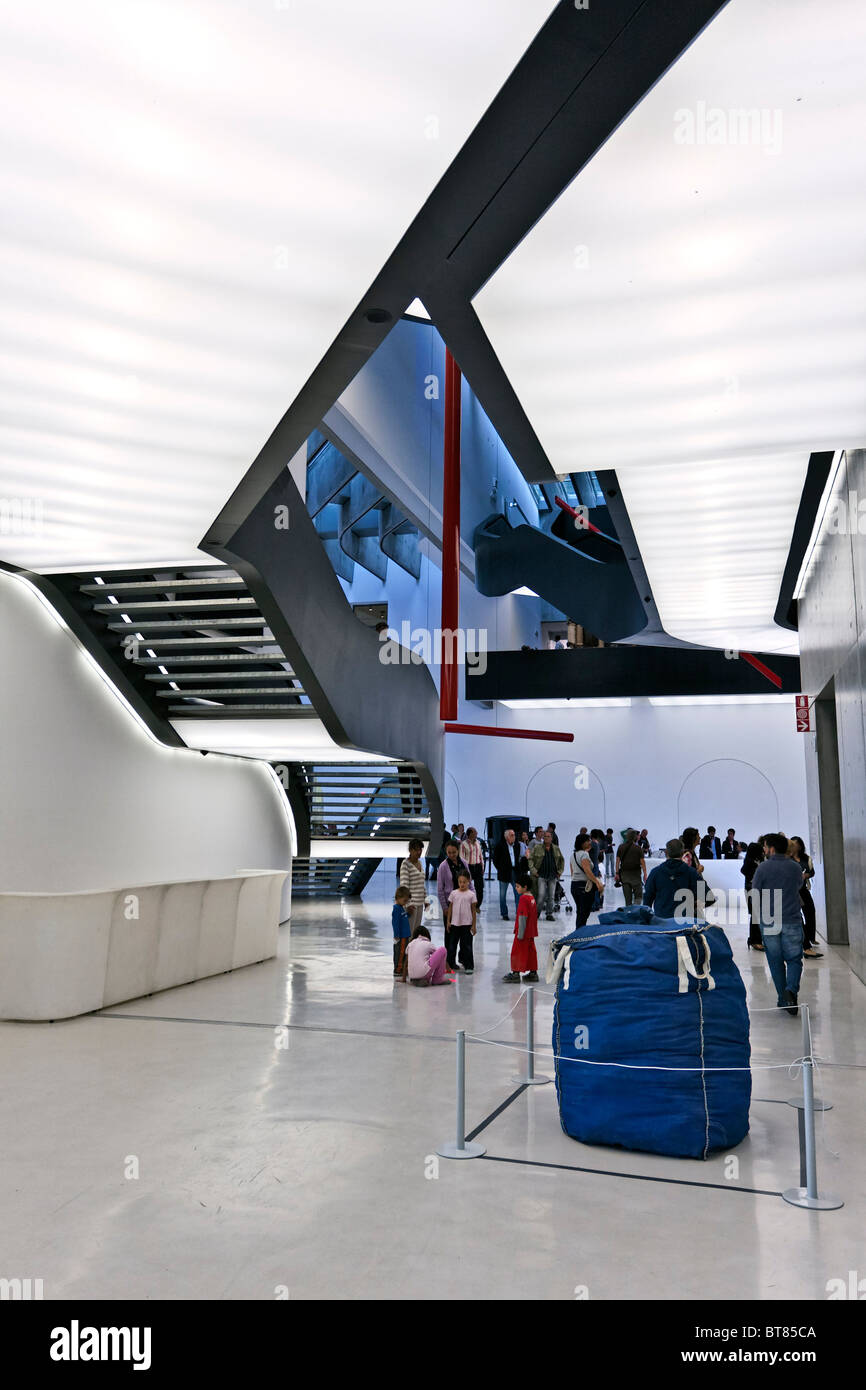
{"points": [[473, 857], [427, 963], [413, 877]]}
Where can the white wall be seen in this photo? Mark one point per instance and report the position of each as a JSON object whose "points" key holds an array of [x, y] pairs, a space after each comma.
{"points": [[89, 799], [642, 763]]}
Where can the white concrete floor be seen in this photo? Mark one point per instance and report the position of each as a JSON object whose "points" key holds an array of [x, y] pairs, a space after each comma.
{"points": [[307, 1168]]}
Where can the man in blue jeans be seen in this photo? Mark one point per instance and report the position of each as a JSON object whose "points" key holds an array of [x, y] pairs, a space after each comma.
{"points": [[776, 894], [508, 858]]}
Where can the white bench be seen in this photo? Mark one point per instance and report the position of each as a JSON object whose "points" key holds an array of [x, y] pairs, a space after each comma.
{"points": [[63, 954]]}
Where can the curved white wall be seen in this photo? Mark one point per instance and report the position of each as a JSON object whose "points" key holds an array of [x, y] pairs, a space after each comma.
{"points": [[90, 800]]}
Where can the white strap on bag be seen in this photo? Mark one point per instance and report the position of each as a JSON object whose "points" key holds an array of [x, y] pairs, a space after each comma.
{"points": [[686, 965], [555, 966]]}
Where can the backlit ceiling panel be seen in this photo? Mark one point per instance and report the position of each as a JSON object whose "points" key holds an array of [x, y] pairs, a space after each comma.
{"points": [[195, 197], [692, 310]]}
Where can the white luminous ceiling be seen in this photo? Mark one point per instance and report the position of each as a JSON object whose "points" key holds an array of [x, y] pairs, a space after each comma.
{"points": [[692, 310], [296, 740], [195, 197]]}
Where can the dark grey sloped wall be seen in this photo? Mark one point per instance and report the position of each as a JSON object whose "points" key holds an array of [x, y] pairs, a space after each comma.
{"points": [[363, 703], [832, 625]]}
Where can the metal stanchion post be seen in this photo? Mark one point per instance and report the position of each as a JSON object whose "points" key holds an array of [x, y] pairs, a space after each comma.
{"points": [[530, 1079], [809, 1196], [797, 1101], [461, 1148]]}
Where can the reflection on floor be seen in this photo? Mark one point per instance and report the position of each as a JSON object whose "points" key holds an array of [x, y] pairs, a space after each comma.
{"points": [[191, 1146]]}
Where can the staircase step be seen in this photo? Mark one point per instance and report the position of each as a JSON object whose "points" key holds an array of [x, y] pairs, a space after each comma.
{"points": [[189, 624], [210, 605], [249, 658], [232, 711], [222, 675], [211, 692], [273, 654], [231, 584]]}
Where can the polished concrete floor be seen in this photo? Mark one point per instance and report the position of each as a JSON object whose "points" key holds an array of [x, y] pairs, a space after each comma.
{"points": [[190, 1146]]}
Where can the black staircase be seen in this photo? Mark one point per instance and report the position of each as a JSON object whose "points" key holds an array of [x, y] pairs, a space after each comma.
{"points": [[355, 801], [192, 643]]}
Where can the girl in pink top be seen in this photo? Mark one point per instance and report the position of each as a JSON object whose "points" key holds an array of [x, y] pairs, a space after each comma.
{"points": [[426, 961]]}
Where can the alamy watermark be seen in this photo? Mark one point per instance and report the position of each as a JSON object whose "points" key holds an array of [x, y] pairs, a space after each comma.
{"points": [[422, 646], [22, 516], [760, 126]]}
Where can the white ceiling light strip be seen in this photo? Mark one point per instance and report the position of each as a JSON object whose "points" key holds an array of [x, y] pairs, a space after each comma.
{"points": [[692, 310], [176, 254]]}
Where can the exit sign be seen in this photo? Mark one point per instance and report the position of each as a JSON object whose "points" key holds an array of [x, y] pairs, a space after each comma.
{"points": [[804, 715]]}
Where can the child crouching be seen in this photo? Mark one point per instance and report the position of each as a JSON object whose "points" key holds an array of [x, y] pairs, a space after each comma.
{"points": [[426, 962]]}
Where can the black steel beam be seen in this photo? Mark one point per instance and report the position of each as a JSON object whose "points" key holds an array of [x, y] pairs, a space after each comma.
{"points": [[624, 671]]}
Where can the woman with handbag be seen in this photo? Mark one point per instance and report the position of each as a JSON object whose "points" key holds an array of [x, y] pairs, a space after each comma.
{"points": [[799, 853], [754, 856], [584, 880]]}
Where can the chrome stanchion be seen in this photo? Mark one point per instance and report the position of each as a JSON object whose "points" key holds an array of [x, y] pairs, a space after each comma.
{"points": [[809, 1196], [461, 1148], [530, 1079]]}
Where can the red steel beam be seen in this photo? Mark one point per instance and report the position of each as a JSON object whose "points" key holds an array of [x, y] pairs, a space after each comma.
{"points": [[764, 670], [449, 671], [585, 523], [490, 732]]}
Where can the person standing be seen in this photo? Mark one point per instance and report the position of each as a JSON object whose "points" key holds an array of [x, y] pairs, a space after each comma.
{"points": [[551, 825], [690, 837], [460, 924], [754, 856], [447, 879], [473, 857], [643, 841], [800, 855], [631, 868], [776, 887], [609, 853], [731, 846], [523, 955], [413, 877], [536, 838], [585, 882], [401, 930], [711, 845], [546, 864], [506, 861]]}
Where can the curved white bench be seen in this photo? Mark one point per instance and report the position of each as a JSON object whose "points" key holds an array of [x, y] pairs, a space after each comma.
{"points": [[63, 954]]}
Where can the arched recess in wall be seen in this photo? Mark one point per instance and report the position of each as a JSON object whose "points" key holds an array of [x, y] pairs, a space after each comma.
{"points": [[452, 801], [728, 792], [569, 793]]}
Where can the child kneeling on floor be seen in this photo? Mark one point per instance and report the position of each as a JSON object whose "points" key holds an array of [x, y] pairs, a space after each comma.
{"points": [[523, 957], [427, 962]]}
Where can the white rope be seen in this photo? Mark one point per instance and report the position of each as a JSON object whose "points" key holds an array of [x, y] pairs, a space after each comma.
{"points": [[628, 1066], [479, 1036]]}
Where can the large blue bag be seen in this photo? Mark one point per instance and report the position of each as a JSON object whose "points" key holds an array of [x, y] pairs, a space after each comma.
{"points": [[639, 992]]}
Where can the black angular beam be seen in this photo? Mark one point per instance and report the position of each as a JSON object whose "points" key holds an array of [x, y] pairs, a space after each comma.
{"points": [[619, 672]]}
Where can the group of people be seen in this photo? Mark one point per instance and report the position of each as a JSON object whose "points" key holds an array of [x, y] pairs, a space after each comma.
{"points": [[532, 865]]}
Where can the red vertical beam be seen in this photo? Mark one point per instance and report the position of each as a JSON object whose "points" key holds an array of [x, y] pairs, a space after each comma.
{"points": [[449, 672]]}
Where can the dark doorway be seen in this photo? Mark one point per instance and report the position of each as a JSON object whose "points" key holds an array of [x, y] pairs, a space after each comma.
{"points": [[832, 837]]}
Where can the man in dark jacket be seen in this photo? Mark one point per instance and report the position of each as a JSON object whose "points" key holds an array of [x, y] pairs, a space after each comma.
{"points": [[671, 889], [711, 845], [731, 846], [506, 861]]}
